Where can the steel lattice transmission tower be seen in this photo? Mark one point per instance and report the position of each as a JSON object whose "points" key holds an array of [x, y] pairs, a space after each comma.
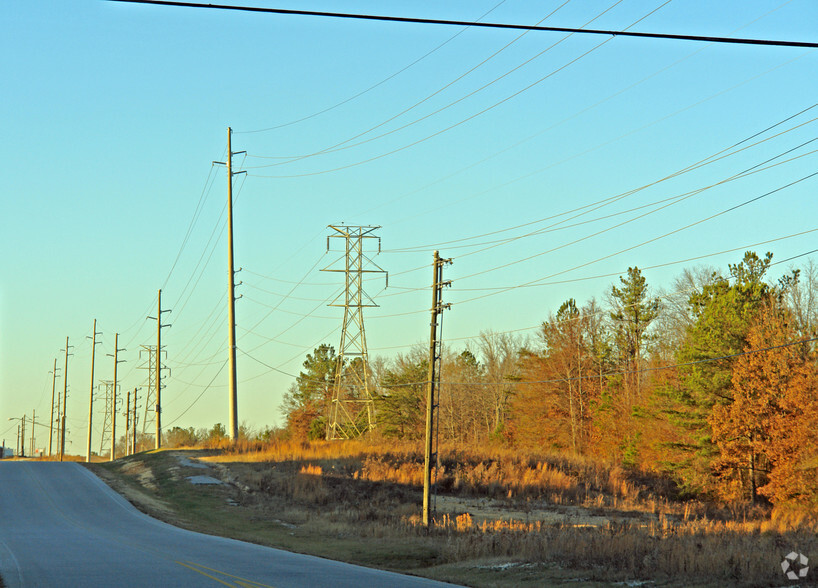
{"points": [[352, 410], [149, 417], [105, 437]]}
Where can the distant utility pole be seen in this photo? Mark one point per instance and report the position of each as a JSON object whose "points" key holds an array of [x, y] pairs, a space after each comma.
{"points": [[435, 339], [33, 421], [117, 361], [352, 399], [94, 343], [231, 306], [51, 423], [64, 400], [133, 432], [158, 364], [23, 436], [128, 425]]}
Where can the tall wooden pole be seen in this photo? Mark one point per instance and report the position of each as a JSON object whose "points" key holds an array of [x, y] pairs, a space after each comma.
{"points": [[158, 377], [64, 401], [113, 400], [430, 393], [51, 422], [133, 421], [91, 396], [231, 309], [128, 425]]}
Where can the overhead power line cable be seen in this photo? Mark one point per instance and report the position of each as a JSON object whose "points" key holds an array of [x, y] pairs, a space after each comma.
{"points": [[347, 143], [648, 241], [489, 25], [372, 87]]}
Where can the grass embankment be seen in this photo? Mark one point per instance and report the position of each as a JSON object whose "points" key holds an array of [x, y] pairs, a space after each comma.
{"points": [[501, 520]]}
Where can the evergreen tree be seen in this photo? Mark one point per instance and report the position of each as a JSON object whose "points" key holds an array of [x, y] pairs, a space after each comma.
{"points": [[307, 402], [633, 312], [721, 315]]}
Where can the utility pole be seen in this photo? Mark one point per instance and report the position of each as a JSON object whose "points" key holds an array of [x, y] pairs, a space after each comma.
{"points": [[128, 425], [117, 361], [434, 377], [64, 401], [133, 443], [17, 447], [231, 291], [33, 421], [91, 397], [352, 399], [23, 437], [51, 422], [158, 367]]}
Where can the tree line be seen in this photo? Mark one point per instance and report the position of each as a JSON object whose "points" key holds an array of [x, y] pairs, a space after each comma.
{"points": [[713, 383]]}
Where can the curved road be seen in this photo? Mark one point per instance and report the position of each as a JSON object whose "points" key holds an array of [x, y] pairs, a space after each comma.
{"points": [[60, 525]]}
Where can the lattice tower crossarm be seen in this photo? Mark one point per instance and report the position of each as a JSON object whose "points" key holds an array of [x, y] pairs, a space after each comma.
{"points": [[351, 411]]}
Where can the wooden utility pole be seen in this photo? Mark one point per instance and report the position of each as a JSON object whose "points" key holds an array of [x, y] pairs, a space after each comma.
{"points": [[128, 425], [51, 422], [434, 375], [113, 400], [22, 436], [133, 443], [158, 367], [64, 401], [233, 416], [33, 421], [91, 397], [158, 377], [231, 309]]}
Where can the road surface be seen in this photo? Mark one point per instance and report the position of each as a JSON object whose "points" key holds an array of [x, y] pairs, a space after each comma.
{"points": [[60, 525]]}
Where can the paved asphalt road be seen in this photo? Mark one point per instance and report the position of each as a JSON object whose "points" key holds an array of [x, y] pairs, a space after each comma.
{"points": [[60, 525]]}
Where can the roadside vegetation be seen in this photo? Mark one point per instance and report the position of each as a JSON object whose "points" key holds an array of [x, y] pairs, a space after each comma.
{"points": [[664, 437], [501, 520]]}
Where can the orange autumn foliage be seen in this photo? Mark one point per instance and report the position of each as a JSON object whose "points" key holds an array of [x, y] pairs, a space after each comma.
{"points": [[767, 436]]}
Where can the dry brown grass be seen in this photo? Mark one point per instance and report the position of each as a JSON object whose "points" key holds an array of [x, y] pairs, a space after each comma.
{"points": [[353, 489]]}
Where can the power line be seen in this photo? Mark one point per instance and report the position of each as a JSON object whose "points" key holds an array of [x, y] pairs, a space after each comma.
{"points": [[441, 131], [490, 25], [669, 202], [655, 266], [346, 144], [372, 87], [720, 155], [725, 211]]}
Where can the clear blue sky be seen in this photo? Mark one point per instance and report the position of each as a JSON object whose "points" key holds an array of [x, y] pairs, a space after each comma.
{"points": [[113, 114]]}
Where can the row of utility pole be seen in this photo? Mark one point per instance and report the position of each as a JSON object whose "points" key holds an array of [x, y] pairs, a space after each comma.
{"points": [[61, 403], [354, 275], [353, 304]]}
